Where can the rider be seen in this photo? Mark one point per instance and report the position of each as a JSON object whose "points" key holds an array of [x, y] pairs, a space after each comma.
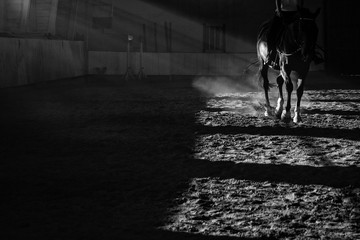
{"points": [[286, 11]]}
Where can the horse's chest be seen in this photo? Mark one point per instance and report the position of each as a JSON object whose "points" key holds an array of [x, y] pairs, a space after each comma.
{"points": [[289, 5]]}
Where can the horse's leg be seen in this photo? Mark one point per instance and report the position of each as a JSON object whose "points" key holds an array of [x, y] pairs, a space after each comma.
{"points": [[280, 101], [286, 115], [299, 93], [266, 85]]}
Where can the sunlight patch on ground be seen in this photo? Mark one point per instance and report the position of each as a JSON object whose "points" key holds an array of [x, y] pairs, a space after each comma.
{"points": [[333, 109], [292, 150], [233, 128], [314, 119], [334, 94], [242, 208], [244, 135]]}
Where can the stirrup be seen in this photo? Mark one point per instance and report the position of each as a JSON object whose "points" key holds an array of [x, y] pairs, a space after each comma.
{"points": [[274, 65]]}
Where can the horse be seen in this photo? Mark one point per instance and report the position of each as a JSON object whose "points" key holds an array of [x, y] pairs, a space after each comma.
{"points": [[295, 51]]}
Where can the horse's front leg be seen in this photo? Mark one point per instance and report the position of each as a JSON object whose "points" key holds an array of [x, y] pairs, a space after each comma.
{"points": [[280, 101], [286, 115], [299, 94]]}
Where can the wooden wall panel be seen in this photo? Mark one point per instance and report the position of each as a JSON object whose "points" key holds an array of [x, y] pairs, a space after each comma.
{"points": [[26, 61]]}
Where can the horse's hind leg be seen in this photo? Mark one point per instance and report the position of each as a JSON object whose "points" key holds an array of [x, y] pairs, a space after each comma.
{"points": [[299, 93], [280, 101], [266, 85]]}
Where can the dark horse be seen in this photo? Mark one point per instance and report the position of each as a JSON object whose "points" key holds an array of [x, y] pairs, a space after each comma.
{"points": [[296, 48]]}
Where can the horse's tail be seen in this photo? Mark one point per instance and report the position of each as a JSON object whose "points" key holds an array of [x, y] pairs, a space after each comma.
{"points": [[261, 38], [249, 66], [260, 77], [260, 61], [263, 69]]}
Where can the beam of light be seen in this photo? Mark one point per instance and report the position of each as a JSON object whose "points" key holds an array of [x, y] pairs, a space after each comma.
{"points": [[17, 13], [187, 34], [130, 16]]}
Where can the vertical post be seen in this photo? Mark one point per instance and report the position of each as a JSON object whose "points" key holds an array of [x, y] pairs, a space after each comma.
{"points": [[224, 37], [87, 28], [52, 17], [128, 55], [170, 37], [141, 74], [75, 19], [2, 15], [22, 17], [141, 52], [25, 16], [32, 25], [211, 37], [72, 19], [325, 32], [155, 37], [204, 37], [144, 36], [166, 35], [128, 74]]}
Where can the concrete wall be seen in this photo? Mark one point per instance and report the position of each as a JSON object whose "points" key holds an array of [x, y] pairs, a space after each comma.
{"points": [[26, 61], [170, 63]]}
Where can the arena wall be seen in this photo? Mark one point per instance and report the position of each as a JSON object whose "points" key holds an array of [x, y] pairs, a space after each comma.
{"points": [[27, 61], [115, 63]]}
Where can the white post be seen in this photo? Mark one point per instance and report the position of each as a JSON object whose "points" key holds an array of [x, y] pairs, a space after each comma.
{"points": [[141, 74], [128, 55], [128, 74]]}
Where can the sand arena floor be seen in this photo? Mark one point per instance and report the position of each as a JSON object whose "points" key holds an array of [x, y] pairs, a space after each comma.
{"points": [[100, 158]]}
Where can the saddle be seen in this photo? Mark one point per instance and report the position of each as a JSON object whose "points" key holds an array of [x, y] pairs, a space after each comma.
{"points": [[287, 19]]}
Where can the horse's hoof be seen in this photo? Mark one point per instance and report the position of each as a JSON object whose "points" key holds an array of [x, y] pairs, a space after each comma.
{"points": [[297, 119], [278, 113], [279, 108], [286, 116], [269, 111]]}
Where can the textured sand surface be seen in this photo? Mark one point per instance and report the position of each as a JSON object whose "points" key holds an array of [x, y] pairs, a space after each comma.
{"points": [[100, 158]]}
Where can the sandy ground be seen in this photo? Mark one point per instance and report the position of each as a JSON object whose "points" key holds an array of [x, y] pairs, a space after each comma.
{"points": [[100, 158]]}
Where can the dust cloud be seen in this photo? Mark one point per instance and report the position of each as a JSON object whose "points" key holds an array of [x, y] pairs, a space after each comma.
{"points": [[240, 94], [226, 85]]}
